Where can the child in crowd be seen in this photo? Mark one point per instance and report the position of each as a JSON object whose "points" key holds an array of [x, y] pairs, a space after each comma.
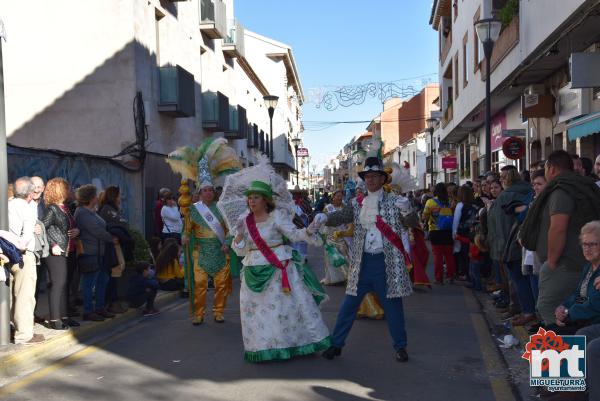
{"points": [[142, 289], [476, 261], [168, 269]]}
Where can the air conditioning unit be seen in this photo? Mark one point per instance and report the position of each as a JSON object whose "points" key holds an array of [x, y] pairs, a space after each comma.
{"points": [[537, 89], [473, 140]]}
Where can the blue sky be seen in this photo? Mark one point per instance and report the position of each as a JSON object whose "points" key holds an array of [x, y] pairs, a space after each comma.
{"points": [[346, 42]]}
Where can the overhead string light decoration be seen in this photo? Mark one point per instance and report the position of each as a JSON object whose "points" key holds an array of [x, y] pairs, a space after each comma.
{"points": [[332, 97]]}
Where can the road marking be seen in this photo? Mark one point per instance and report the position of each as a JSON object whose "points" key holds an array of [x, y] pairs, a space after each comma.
{"points": [[493, 364]]}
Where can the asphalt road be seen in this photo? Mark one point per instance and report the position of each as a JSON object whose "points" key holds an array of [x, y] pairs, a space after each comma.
{"points": [[452, 357]]}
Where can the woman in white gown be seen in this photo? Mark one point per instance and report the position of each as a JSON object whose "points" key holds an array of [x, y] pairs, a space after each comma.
{"points": [[337, 236], [279, 295]]}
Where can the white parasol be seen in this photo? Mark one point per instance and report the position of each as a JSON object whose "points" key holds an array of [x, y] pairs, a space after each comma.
{"points": [[232, 203]]}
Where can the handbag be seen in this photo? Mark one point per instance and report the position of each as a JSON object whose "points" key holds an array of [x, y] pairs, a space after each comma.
{"points": [[88, 263], [117, 270]]}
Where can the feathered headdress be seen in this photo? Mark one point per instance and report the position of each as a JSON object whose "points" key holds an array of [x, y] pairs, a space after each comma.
{"points": [[211, 162], [401, 180]]}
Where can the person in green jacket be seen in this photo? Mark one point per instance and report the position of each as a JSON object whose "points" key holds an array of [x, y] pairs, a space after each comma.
{"points": [[500, 223]]}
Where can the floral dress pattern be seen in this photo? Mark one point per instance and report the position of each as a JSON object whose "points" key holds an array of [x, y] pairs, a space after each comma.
{"points": [[275, 324]]}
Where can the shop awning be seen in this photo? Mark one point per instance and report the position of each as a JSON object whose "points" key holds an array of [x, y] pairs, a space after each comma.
{"points": [[584, 126]]}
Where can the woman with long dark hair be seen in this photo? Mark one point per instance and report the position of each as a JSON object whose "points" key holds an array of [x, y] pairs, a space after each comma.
{"points": [[109, 208], [168, 270]]}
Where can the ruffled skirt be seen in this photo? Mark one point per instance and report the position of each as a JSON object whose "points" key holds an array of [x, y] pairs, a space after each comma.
{"points": [[278, 325]]}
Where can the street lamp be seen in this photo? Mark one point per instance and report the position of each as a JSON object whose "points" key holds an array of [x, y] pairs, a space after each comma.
{"points": [[488, 30], [431, 122], [296, 141], [271, 103]]}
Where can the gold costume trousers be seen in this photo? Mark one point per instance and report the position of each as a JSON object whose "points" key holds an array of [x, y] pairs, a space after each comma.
{"points": [[223, 285]]}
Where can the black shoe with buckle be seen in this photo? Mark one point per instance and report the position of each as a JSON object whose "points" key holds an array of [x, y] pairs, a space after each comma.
{"points": [[332, 352], [401, 355]]}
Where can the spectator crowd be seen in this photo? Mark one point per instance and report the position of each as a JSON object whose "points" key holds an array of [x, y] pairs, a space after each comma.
{"points": [[72, 246]]}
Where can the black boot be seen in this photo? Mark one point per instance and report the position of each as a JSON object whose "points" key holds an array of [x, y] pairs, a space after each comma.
{"points": [[401, 355], [332, 352], [58, 325]]}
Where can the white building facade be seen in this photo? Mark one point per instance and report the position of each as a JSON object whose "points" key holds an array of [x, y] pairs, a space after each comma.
{"points": [[105, 99], [530, 61]]}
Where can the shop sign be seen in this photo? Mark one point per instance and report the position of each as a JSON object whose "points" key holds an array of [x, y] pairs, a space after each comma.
{"points": [[572, 103], [302, 152], [498, 125], [449, 162], [513, 148]]}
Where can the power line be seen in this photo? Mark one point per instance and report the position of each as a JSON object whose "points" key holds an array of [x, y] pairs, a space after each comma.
{"points": [[311, 125]]}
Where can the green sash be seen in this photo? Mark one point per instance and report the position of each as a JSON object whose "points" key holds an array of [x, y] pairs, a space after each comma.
{"points": [[258, 277]]}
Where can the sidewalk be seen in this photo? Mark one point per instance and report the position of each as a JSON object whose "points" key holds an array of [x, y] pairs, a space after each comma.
{"points": [[518, 368], [16, 360]]}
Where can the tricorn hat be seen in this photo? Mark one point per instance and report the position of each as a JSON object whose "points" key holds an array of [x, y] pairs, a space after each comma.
{"points": [[373, 164]]}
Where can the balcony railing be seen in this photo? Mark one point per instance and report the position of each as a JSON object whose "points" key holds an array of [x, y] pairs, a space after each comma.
{"points": [[448, 115], [445, 47], [508, 39], [176, 94], [215, 111], [233, 43], [213, 21]]}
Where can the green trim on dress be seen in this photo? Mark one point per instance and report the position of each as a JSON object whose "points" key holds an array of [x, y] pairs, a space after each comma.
{"points": [[287, 353]]}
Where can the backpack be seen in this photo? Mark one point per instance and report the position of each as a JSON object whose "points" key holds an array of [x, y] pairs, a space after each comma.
{"points": [[443, 222], [468, 222]]}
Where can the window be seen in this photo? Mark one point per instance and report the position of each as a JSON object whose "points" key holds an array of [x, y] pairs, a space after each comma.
{"points": [[456, 75], [477, 47], [466, 60]]}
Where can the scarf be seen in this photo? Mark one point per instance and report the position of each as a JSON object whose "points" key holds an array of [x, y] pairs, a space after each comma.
{"points": [[369, 210]]}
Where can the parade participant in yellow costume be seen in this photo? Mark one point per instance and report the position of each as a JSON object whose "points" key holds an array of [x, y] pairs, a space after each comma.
{"points": [[207, 235], [206, 241]]}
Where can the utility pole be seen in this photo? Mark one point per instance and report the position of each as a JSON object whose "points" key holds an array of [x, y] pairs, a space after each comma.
{"points": [[4, 288]]}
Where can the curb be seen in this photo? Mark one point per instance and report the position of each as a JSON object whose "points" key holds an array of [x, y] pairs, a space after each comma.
{"points": [[11, 364]]}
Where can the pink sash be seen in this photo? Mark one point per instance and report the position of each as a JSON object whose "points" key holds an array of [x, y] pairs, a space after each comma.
{"points": [[268, 253]]}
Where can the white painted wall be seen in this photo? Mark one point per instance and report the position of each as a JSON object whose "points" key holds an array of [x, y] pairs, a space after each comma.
{"points": [[69, 86]]}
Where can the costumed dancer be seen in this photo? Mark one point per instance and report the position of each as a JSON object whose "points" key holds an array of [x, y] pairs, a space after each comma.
{"points": [[335, 236], [370, 307], [279, 294], [378, 259], [206, 239], [413, 236], [301, 220]]}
